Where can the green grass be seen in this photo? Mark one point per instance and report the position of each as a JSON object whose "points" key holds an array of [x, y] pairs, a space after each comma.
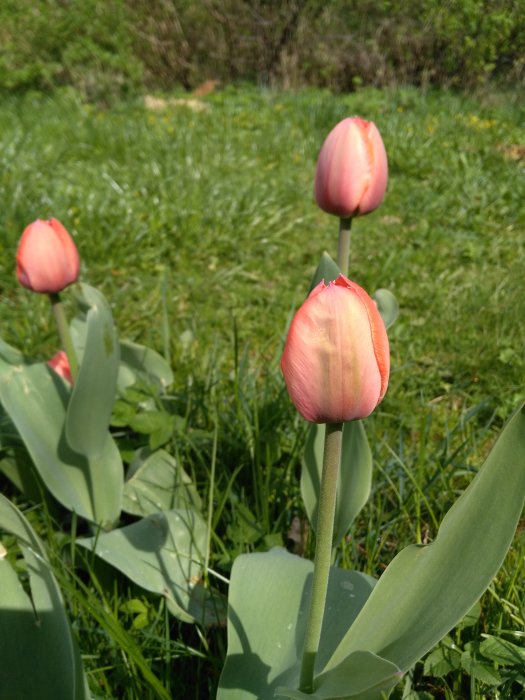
{"points": [[201, 229]]}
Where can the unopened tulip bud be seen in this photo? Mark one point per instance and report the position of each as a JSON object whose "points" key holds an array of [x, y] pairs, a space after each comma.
{"points": [[352, 169], [336, 359], [47, 260], [60, 364]]}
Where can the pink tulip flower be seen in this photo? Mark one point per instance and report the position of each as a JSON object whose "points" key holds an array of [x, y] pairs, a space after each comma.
{"points": [[336, 359], [352, 169], [60, 364], [47, 260]]}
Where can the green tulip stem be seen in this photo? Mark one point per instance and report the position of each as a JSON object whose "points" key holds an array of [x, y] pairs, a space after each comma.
{"points": [[323, 552], [65, 335], [343, 249]]}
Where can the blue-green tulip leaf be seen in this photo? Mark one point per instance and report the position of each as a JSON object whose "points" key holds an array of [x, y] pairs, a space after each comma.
{"points": [[136, 361], [22, 473], [327, 270], [16, 464], [37, 650], [354, 478], [163, 553], [36, 399], [10, 354], [154, 482], [207, 606], [387, 306], [91, 402], [267, 609], [427, 589], [145, 363], [361, 676]]}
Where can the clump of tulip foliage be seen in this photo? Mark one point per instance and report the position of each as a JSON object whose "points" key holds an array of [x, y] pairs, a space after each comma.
{"points": [[296, 628]]}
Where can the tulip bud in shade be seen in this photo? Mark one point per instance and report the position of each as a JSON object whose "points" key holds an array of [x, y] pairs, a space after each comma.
{"points": [[352, 169], [60, 364], [336, 358], [47, 260]]}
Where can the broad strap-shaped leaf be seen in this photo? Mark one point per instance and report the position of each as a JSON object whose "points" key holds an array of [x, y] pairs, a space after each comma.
{"points": [[207, 606], [91, 402], [267, 609], [354, 479], [361, 676], [163, 553], [36, 399], [387, 306], [10, 354], [327, 270], [38, 654], [427, 589], [156, 482], [22, 473], [145, 363], [137, 362]]}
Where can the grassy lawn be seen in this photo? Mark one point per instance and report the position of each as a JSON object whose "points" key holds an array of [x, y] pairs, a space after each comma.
{"points": [[201, 229]]}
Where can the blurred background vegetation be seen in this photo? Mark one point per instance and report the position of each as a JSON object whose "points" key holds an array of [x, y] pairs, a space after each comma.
{"points": [[120, 47]]}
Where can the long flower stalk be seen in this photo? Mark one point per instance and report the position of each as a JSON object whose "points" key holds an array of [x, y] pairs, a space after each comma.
{"points": [[323, 552], [343, 249]]}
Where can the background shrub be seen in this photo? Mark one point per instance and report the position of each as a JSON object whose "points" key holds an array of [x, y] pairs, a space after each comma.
{"points": [[121, 46], [84, 43]]}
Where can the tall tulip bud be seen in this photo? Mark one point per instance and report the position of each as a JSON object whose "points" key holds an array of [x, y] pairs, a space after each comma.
{"points": [[352, 169], [47, 260], [336, 359]]}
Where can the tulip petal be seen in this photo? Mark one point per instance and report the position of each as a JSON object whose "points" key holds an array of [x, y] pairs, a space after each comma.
{"points": [[335, 361], [375, 192], [379, 336], [352, 170], [47, 260]]}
